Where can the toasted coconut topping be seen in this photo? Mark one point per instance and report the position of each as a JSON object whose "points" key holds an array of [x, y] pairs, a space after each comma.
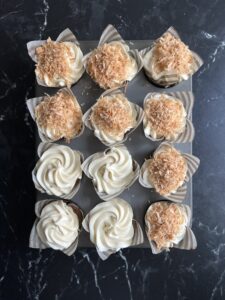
{"points": [[165, 116], [165, 220], [171, 54], [167, 170], [60, 115], [108, 65], [113, 114], [52, 60]]}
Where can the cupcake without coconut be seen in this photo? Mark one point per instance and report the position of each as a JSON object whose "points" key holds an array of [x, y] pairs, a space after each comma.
{"points": [[168, 60], [113, 117], [57, 226], [58, 171], [111, 227], [58, 63], [112, 63], [168, 225]]}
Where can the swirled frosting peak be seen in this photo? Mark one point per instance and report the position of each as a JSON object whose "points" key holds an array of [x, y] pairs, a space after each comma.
{"points": [[58, 170], [58, 226], [110, 225]]}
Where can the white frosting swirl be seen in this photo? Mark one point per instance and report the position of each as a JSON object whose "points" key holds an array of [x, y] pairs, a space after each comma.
{"points": [[110, 225], [58, 226], [74, 61], [58, 170], [112, 171]]}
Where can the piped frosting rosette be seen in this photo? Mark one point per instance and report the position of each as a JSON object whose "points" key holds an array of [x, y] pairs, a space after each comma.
{"points": [[168, 171], [167, 61], [112, 63], [63, 119], [113, 117], [58, 63], [111, 171], [168, 225], [111, 227], [58, 171], [57, 226], [167, 116]]}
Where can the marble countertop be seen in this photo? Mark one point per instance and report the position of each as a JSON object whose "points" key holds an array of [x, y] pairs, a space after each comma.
{"points": [[132, 273]]}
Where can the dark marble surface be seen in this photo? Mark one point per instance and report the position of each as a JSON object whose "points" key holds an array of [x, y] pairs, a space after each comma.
{"points": [[132, 273]]}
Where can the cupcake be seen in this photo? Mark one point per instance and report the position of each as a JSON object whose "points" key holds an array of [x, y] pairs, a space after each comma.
{"points": [[58, 63], [113, 117], [58, 171], [168, 225], [112, 63], [168, 60], [111, 171], [58, 116], [168, 171], [111, 227], [166, 117], [57, 226]]}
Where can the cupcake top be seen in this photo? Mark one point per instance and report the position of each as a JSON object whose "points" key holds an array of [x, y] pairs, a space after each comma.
{"points": [[112, 116], [110, 225], [59, 63], [58, 171], [164, 117], [167, 170], [58, 225], [165, 224], [59, 116], [110, 65]]}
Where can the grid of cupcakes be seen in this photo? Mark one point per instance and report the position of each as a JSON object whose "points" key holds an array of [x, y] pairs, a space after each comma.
{"points": [[165, 117]]}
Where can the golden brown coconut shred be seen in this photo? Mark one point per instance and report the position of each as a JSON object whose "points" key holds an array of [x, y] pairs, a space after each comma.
{"points": [[171, 54], [165, 116], [113, 114], [165, 222], [108, 65], [52, 60], [60, 114], [167, 171]]}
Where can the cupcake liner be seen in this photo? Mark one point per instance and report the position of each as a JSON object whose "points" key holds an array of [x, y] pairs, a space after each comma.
{"points": [[109, 35], [104, 196], [138, 237], [136, 108], [65, 36], [188, 242], [180, 194], [41, 149], [187, 98], [172, 79], [33, 103], [35, 241]]}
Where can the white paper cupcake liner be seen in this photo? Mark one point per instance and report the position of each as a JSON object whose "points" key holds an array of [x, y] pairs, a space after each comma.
{"points": [[33, 103], [187, 98], [188, 242], [104, 196], [65, 36], [35, 241], [136, 108], [180, 194], [41, 149], [172, 79], [109, 35], [138, 237]]}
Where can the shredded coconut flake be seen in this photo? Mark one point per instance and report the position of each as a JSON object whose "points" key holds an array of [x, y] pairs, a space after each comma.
{"points": [[167, 170], [165, 221]]}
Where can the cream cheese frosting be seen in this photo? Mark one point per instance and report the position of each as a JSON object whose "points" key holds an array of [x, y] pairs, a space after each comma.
{"points": [[112, 171], [110, 225], [58, 226], [58, 170]]}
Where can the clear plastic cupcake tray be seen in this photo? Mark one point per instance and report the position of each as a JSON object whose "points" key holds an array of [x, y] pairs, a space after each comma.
{"points": [[87, 92]]}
